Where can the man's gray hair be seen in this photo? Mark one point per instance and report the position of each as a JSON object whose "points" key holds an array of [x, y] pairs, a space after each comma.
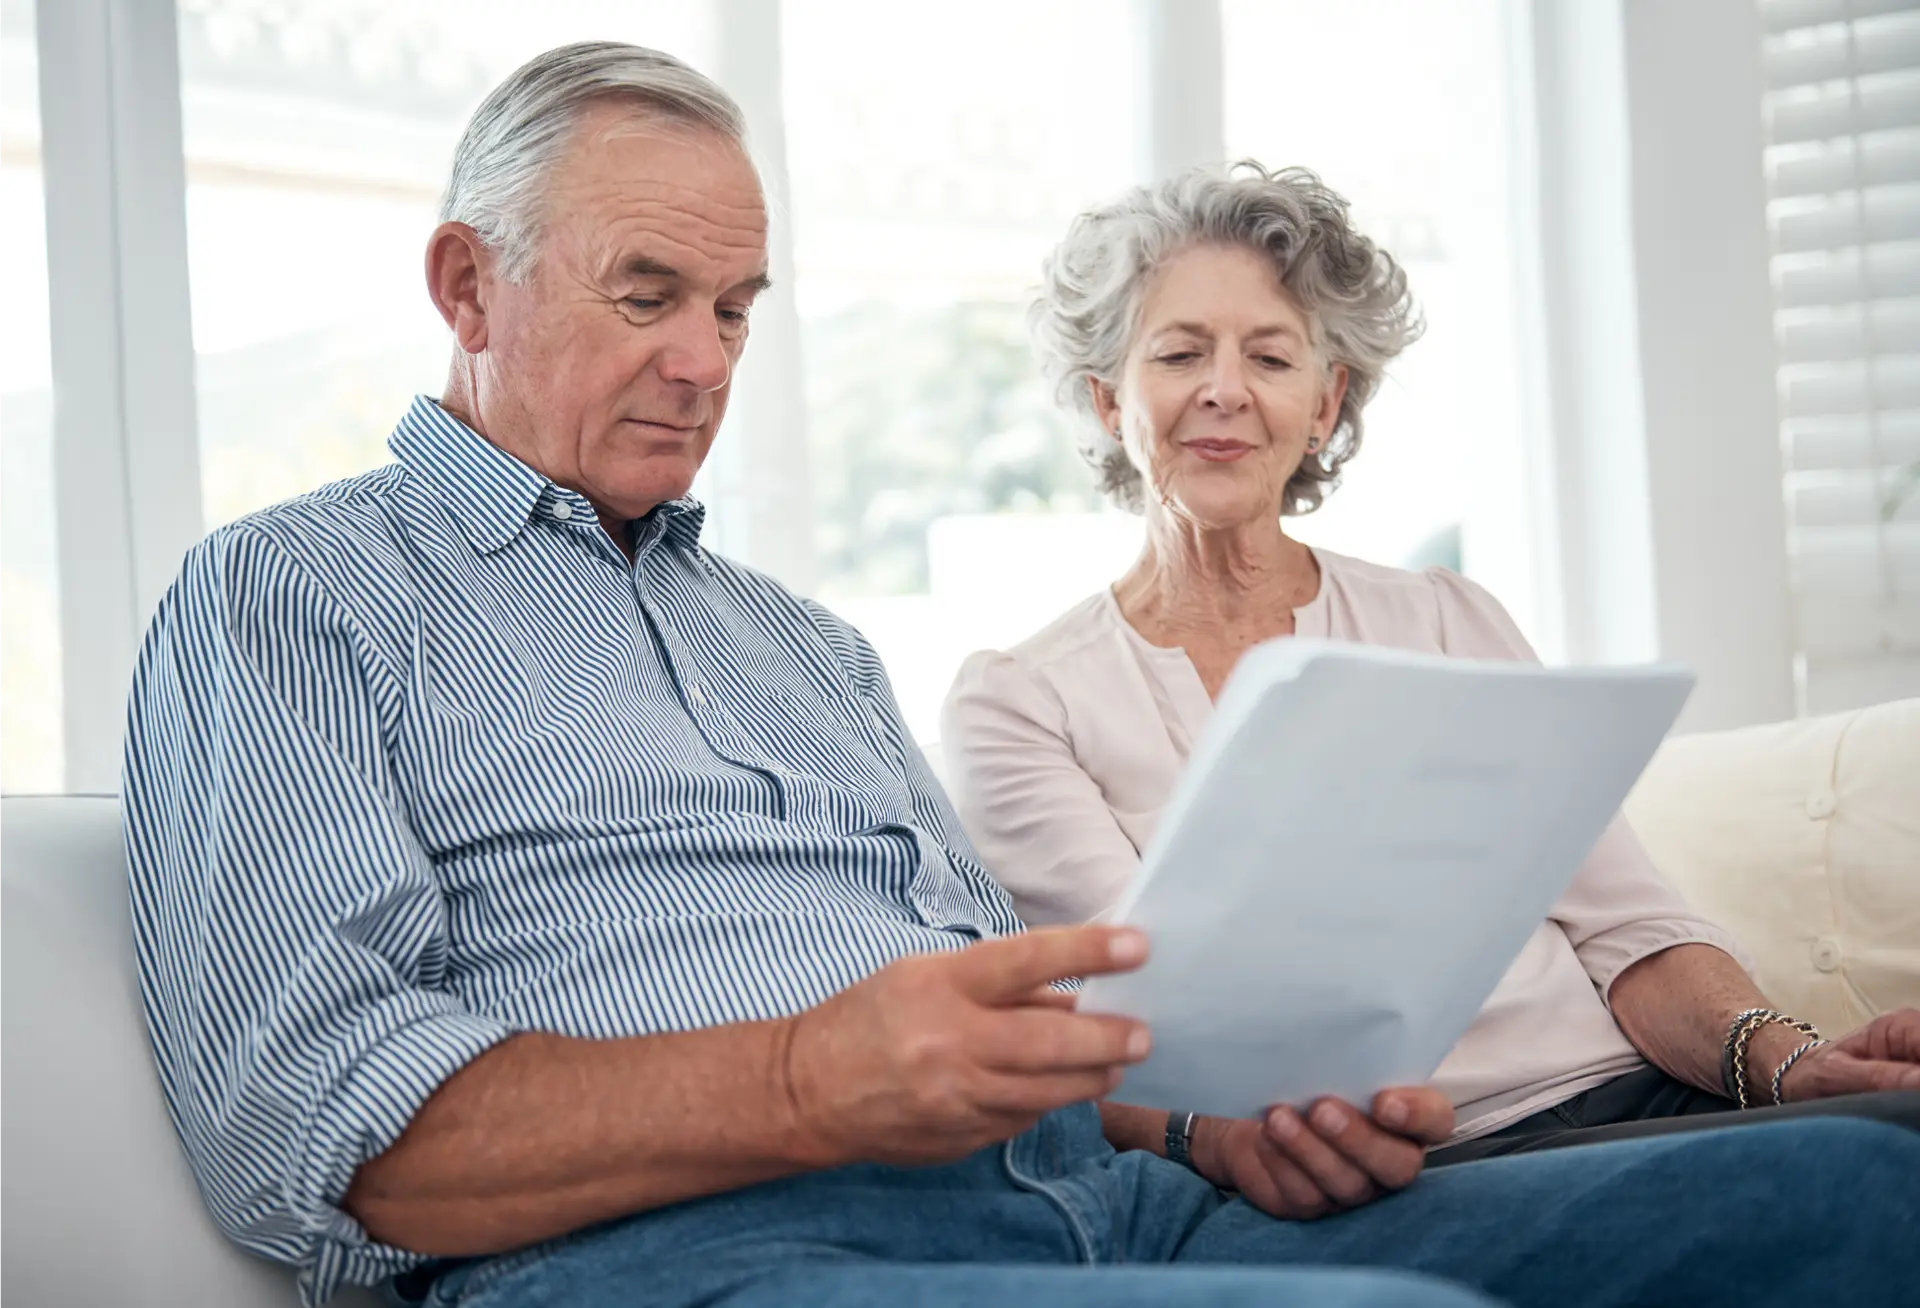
{"points": [[526, 123], [1354, 295]]}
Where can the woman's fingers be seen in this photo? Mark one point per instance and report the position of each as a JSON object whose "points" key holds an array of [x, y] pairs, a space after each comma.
{"points": [[1420, 1113], [1351, 1156], [1310, 1144], [1238, 1156], [1285, 1191]]}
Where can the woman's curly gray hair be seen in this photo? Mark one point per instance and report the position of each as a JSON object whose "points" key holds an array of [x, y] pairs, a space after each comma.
{"points": [[1354, 295]]}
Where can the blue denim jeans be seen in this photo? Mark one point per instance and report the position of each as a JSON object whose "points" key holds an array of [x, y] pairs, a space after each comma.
{"points": [[1818, 1211]]}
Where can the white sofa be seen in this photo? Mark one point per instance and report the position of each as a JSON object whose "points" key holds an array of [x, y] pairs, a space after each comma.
{"points": [[1804, 838]]}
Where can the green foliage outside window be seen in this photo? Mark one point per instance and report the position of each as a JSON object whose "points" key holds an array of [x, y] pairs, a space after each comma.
{"points": [[917, 413]]}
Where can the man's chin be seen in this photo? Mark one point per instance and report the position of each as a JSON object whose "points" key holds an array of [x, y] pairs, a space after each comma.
{"points": [[641, 497]]}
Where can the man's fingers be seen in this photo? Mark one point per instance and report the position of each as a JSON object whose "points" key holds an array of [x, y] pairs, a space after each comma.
{"points": [[1039, 1040], [1417, 1112], [1007, 970], [1009, 1093]]}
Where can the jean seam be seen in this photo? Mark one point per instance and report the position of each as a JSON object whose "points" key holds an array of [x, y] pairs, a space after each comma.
{"points": [[1082, 1238]]}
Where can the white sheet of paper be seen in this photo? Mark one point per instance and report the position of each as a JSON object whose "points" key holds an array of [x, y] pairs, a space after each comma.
{"points": [[1361, 844]]}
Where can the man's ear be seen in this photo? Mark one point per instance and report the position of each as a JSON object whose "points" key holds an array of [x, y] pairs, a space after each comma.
{"points": [[459, 278], [1106, 406]]}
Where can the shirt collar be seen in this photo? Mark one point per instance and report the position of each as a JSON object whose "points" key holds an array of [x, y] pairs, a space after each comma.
{"points": [[492, 494]]}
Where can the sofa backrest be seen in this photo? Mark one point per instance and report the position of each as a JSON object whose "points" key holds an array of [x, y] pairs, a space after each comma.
{"points": [[98, 1205], [1803, 840]]}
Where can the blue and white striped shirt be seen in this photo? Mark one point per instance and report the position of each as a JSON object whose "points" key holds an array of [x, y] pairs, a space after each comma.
{"points": [[420, 760]]}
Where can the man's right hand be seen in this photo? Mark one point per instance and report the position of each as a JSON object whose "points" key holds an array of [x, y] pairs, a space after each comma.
{"points": [[938, 1055]]}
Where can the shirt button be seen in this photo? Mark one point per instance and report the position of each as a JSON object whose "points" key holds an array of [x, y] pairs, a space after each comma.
{"points": [[563, 510], [695, 698], [1820, 804], [1826, 954]]}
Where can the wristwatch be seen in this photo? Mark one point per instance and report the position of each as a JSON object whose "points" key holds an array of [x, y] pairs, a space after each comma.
{"points": [[1180, 1139]]}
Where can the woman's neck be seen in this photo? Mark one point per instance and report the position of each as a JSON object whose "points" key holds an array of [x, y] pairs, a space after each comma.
{"points": [[1214, 582]]}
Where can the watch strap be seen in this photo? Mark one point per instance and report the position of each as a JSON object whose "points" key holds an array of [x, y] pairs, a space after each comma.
{"points": [[1180, 1138]]}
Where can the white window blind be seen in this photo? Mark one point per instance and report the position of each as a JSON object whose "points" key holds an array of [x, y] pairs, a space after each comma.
{"points": [[1843, 167]]}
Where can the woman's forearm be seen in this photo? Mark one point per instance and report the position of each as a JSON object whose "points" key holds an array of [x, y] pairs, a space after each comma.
{"points": [[1128, 1126], [1675, 1006]]}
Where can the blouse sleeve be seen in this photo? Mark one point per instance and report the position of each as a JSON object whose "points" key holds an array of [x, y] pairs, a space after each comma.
{"points": [[1619, 909], [1039, 821]]}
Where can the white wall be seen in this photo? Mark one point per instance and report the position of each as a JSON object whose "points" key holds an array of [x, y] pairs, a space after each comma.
{"points": [[1657, 345]]}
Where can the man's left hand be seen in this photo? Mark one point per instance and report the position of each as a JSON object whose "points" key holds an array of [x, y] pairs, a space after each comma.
{"points": [[1329, 1160], [1882, 1055]]}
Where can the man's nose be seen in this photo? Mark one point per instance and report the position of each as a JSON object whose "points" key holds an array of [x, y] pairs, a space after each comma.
{"points": [[696, 356]]}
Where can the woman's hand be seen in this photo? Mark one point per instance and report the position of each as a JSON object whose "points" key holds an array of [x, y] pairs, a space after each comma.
{"points": [[1332, 1159], [1882, 1055]]}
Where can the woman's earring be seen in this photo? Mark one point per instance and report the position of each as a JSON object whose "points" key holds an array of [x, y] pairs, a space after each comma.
{"points": [[1313, 445]]}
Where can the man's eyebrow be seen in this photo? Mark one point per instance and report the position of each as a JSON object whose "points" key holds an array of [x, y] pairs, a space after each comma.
{"points": [[641, 266]]}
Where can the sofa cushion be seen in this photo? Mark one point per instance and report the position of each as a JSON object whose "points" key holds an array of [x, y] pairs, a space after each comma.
{"points": [[1803, 839], [99, 1206]]}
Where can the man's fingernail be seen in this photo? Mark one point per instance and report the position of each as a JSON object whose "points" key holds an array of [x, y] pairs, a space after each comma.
{"points": [[1283, 1123], [1392, 1112], [1138, 1043], [1126, 947], [1329, 1119]]}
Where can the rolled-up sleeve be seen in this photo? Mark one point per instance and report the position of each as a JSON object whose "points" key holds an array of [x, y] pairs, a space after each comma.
{"points": [[1618, 909], [291, 935]]}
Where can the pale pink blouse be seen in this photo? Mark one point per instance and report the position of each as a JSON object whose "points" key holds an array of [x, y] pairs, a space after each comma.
{"points": [[1062, 751]]}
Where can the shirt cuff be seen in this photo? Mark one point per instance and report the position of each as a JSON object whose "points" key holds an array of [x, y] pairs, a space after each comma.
{"points": [[1607, 955], [364, 1113]]}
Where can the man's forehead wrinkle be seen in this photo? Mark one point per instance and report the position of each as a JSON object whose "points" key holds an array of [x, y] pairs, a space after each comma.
{"points": [[636, 229], [692, 262], [743, 208]]}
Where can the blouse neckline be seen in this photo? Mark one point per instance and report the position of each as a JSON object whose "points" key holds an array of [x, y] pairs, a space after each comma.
{"points": [[1309, 619]]}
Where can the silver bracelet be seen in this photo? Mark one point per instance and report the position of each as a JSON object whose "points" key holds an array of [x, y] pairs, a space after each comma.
{"points": [[1734, 1056], [1789, 1061], [1729, 1083]]}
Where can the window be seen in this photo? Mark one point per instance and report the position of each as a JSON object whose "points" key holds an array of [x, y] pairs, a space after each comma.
{"points": [[1401, 106], [318, 135], [30, 733], [1843, 171], [937, 154]]}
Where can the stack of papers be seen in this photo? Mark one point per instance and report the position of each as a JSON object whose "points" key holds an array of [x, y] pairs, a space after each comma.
{"points": [[1361, 845]]}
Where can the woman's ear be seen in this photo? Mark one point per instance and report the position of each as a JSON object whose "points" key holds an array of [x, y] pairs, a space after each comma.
{"points": [[1330, 398], [459, 273], [1106, 406]]}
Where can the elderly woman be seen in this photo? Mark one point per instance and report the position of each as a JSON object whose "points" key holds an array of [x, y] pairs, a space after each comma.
{"points": [[1221, 335]]}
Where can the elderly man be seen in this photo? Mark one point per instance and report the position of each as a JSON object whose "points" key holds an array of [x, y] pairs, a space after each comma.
{"points": [[535, 908]]}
